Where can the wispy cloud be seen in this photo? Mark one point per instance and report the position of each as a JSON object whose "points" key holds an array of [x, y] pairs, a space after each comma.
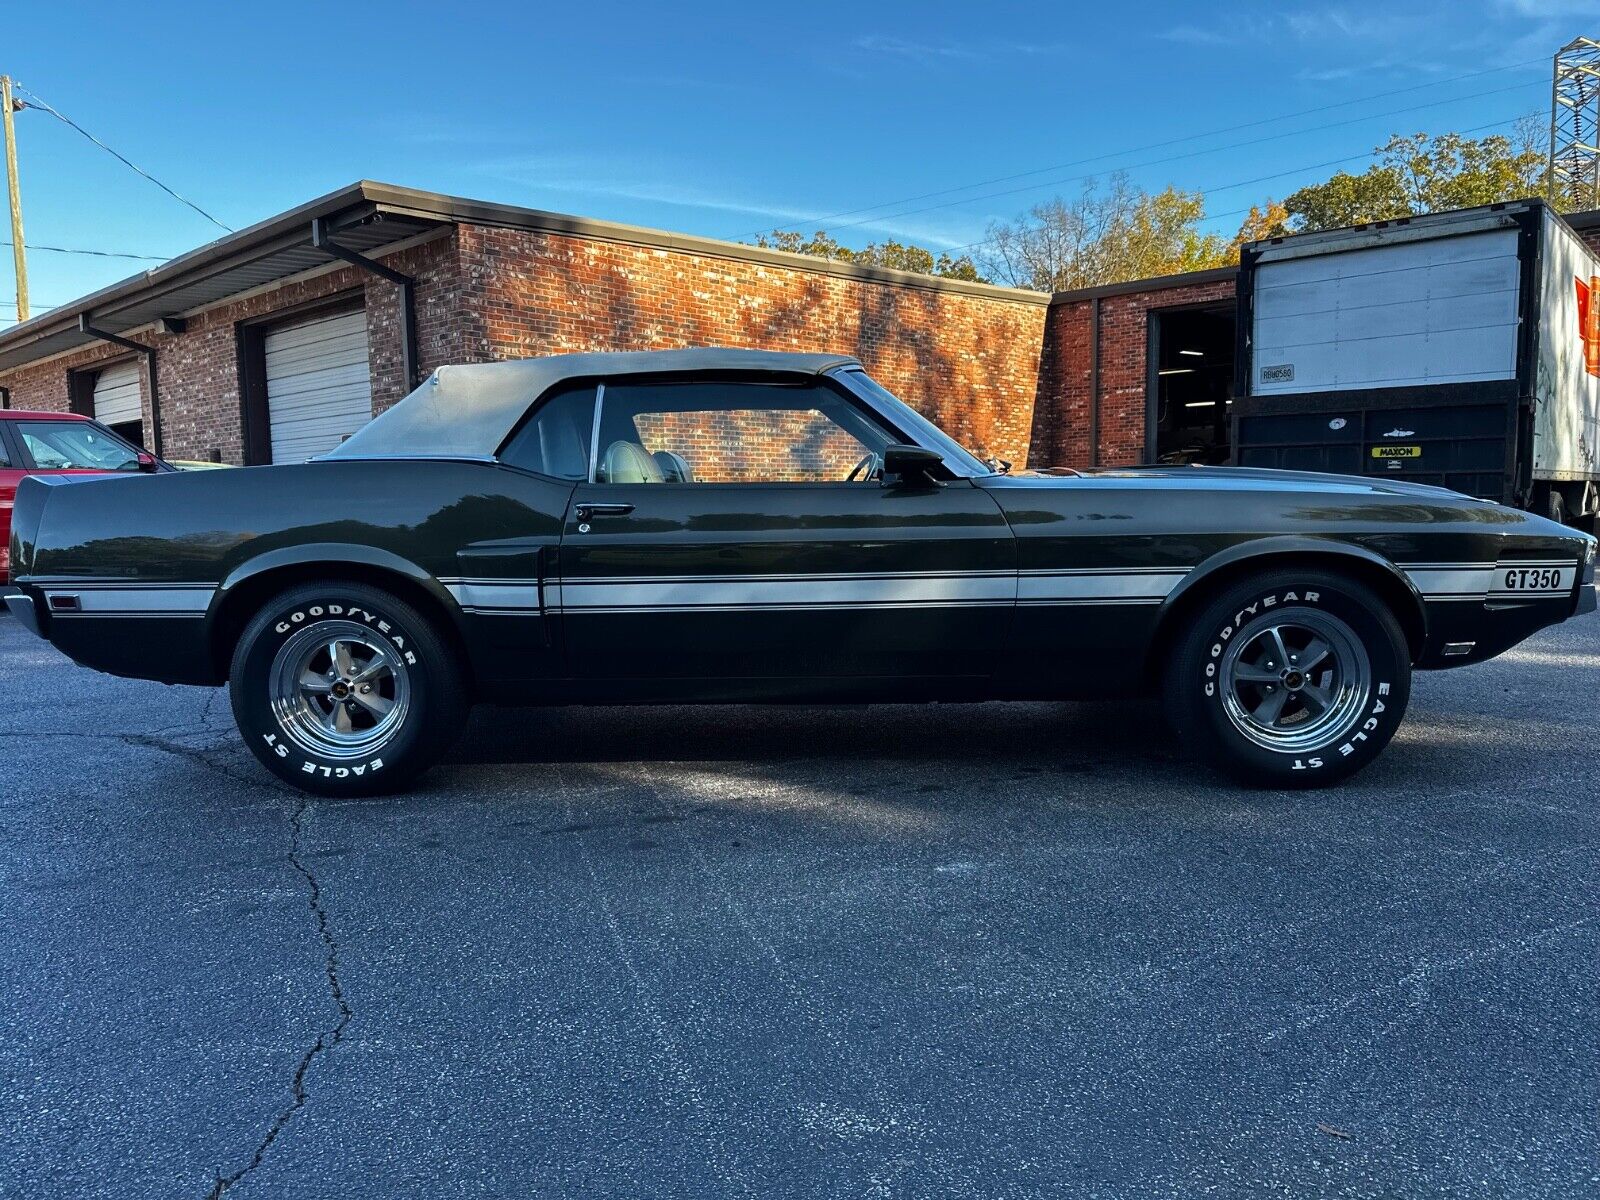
{"points": [[640, 180], [1517, 31], [925, 52], [1544, 10], [1193, 35], [934, 53], [1343, 24], [1322, 26], [1398, 68]]}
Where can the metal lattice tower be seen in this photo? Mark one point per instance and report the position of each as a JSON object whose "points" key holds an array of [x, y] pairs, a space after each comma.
{"points": [[1574, 171]]}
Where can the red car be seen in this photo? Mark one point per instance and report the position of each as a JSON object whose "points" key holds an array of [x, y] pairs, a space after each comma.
{"points": [[50, 443]]}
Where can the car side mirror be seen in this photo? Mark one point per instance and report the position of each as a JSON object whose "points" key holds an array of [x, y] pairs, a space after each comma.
{"points": [[910, 466], [147, 462]]}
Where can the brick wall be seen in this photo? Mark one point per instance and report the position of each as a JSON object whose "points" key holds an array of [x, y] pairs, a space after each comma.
{"points": [[968, 362], [1061, 415], [198, 369], [485, 293], [753, 446]]}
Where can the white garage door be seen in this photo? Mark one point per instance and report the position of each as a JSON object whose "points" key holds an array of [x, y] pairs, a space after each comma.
{"points": [[117, 395], [319, 384]]}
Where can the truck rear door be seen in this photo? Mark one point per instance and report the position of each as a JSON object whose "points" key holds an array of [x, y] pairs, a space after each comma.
{"points": [[1390, 350]]}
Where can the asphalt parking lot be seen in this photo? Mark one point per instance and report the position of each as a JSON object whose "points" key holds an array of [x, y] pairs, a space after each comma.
{"points": [[983, 951]]}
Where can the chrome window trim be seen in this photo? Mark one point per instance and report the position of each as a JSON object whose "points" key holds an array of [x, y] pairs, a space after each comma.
{"points": [[594, 431], [842, 375]]}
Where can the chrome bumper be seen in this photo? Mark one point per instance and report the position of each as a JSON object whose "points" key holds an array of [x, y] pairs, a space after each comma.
{"points": [[24, 609]]}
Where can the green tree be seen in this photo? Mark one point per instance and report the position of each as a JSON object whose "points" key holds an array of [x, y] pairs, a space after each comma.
{"points": [[1267, 220], [894, 255], [1104, 235], [1423, 173]]}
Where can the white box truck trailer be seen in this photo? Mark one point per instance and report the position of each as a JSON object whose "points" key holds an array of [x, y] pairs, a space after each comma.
{"points": [[1457, 348]]}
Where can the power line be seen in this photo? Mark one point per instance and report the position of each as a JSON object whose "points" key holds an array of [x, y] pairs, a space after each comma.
{"points": [[1225, 187], [95, 253], [35, 102], [1315, 167], [1178, 157], [1304, 112]]}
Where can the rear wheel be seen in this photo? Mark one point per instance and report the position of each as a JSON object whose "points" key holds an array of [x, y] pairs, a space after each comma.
{"points": [[345, 690], [1290, 679]]}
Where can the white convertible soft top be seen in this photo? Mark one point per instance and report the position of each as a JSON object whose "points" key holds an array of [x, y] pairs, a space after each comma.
{"points": [[469, 411]]}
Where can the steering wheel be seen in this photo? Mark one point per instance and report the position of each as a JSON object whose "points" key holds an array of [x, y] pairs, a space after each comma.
{"points": [[869, 466]]}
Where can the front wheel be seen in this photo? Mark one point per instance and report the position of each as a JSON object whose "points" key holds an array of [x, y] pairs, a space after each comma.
{"points": [[1290, 679], [345, 690]]}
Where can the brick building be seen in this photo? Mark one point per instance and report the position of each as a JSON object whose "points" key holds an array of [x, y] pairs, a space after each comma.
{"points": [[286, 335], [279, 340]]}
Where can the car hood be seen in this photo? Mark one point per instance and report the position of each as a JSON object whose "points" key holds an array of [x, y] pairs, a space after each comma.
{"points": [[1242, 478]]}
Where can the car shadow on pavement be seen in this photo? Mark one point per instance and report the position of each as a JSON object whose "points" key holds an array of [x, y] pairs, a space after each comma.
{"points": [[963, 744], [1058, 735]]}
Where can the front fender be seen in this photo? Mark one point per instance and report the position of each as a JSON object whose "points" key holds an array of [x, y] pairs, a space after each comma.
{"points": [[1260, 553]]}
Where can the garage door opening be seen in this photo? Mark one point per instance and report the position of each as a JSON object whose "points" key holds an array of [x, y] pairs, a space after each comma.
{"points": [[119, 401], [1191, 385], [318, 384]]}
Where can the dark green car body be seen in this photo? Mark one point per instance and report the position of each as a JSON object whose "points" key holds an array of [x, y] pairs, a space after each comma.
{"points": [[967, 584]]}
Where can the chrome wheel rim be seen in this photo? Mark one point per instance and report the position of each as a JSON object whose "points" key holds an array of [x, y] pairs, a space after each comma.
{"points": [[338, 690], [1294, 680]]}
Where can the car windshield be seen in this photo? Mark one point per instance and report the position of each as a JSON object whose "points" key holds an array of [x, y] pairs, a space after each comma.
{"points": [[76, 445], [918, 426]]}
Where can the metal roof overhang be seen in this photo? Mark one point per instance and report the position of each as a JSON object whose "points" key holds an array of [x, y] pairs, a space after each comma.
{"points": [[366, 217], [275, 249]]}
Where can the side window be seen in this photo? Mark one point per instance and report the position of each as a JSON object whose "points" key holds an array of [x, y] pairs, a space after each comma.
{"points": [[555, 440], [75, 445], [5, 459], [734, 433]]}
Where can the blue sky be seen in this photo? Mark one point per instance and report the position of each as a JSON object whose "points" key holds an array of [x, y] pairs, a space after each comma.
{"points": [[724, 119]]}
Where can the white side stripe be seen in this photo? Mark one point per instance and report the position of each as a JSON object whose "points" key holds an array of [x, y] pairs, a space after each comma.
{"points": [[492, 595], [1091, 587], [592, 595], [1446, 582], [102, 600], [680, 593], [1095, 585], [1504, 581]]}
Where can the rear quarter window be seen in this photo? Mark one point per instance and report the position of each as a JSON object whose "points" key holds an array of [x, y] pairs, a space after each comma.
{"points": [[555, 440]]}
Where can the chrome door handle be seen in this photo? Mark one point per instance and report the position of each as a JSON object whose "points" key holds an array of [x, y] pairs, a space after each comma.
{"points": [[584, 511]]}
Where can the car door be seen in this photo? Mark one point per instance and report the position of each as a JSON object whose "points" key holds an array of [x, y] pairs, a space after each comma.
{"points": [[737, 530]]}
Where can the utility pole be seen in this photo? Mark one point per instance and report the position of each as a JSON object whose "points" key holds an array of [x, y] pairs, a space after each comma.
{"points": [[8, 107]]}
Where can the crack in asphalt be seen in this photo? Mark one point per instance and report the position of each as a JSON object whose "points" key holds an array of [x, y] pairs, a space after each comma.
{"points": [[153, 740], [328, 1038], [197, 754]]}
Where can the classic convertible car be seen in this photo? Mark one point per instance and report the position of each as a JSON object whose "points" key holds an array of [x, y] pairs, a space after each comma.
{"points": [[724, 525]]}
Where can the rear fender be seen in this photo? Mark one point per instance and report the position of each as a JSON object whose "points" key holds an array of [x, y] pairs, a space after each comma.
{"points": [[333, 556], [27, 517]]}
